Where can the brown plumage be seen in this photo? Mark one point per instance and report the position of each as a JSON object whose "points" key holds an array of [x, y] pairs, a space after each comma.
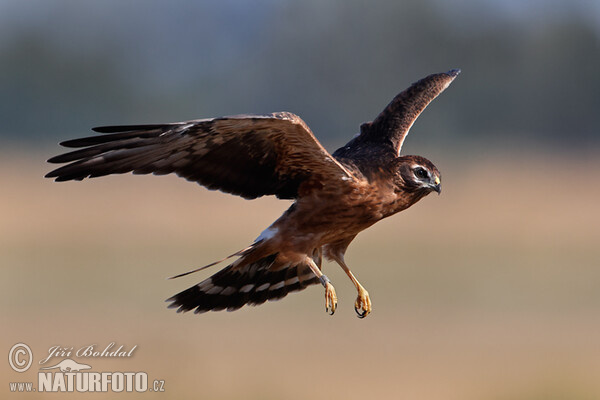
{"points": [[336, 196]]}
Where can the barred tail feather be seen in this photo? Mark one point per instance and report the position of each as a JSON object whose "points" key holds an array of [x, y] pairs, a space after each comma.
{"points": [[253, 284]]}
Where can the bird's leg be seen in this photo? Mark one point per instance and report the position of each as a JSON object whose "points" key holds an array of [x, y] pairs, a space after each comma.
{"points": [[330, 296], [318, 256], [362, 306]]}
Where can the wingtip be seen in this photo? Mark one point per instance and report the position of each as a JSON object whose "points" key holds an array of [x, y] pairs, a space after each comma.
{"points": [[104, 129], [453, 72]]}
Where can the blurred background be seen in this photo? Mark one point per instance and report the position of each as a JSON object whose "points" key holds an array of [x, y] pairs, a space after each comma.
{"points": [[489, 291]]}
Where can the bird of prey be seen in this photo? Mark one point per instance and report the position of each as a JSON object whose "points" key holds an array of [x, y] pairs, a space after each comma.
{"points": [[335, 196]]}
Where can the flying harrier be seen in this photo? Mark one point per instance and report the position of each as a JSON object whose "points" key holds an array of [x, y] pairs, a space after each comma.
{"points": [[336, 196]]}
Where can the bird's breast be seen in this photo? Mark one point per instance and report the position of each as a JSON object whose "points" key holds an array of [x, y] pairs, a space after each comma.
{"points": [[329, 217]]}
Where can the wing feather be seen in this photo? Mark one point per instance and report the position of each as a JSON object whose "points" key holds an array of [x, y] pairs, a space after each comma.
{"points": [[387, 132], [248, 155]]}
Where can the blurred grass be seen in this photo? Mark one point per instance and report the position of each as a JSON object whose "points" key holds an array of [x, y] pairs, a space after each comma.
{"points": [[490, 291]]}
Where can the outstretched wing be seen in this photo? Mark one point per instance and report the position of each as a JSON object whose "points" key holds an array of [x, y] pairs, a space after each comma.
{"points": [[388, 131], [246, 155]]}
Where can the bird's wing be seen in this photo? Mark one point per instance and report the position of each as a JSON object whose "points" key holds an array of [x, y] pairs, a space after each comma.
{"points": [[391, 126], [246, 155]]}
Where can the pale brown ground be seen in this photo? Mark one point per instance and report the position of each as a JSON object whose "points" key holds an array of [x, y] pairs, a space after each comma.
{"points": [[490, 291]]}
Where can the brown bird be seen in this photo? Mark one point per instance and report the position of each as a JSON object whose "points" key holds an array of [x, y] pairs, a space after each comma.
{"points": [[336, 196]]}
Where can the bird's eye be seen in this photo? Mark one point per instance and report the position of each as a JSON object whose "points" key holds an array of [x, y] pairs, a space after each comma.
{"points": [[421, 173]]}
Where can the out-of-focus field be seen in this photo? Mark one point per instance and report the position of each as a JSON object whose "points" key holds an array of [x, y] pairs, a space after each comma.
{"points": [[489, 291]]}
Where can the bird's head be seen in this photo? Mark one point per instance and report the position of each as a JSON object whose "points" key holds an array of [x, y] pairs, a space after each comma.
{"points": [[416, 174]]}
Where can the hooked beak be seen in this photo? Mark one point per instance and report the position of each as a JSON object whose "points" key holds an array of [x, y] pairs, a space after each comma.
{"points": [[437, 186]]}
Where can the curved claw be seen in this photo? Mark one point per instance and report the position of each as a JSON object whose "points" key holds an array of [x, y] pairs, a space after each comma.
{"points": [[330, 299], [362, 306]]}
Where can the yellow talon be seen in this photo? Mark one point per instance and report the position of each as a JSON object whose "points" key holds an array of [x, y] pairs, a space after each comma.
{"points": [[330, 298], [362, 306]]}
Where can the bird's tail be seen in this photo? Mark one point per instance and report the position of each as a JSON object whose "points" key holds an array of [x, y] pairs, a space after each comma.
{"points": [[246, 282]]}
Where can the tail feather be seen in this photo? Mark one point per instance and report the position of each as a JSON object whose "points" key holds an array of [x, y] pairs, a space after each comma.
{"points": [[239, 284], [237, 253]]}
